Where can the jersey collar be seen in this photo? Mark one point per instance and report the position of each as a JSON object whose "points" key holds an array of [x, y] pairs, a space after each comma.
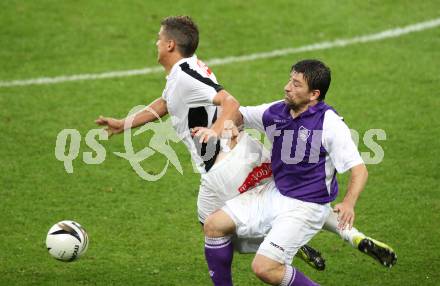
{"points": [[175, 67], [310, 111]]}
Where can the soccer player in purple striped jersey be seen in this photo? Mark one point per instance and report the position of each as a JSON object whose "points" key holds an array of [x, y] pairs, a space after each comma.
{"points": [[310, 143]]}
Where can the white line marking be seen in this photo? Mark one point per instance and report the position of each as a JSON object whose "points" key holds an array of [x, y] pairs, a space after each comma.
{"points": [[393, 33]]}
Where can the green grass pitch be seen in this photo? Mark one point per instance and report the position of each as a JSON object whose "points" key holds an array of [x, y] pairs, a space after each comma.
{"points": [[146, 233]]}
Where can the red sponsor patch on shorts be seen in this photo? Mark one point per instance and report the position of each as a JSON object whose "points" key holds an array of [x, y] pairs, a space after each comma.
{"points": [[257, 174]]}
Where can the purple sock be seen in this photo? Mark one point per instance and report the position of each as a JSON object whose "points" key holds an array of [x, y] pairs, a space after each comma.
{"points": [[293, 277], [218, 254]]}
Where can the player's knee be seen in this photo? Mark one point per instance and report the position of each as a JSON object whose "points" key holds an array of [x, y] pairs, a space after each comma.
{"points": [[218, 224], [212, 226], [264, 272], [209, 227]]}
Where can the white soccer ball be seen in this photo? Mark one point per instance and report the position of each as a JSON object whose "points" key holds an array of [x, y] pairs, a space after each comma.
{"points": [[67, 240]]}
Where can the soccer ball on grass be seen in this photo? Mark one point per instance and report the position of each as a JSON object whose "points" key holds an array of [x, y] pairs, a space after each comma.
{"points": [[67, 240]]}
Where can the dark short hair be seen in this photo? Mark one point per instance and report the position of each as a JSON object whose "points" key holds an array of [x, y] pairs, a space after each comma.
{"points": [[316, 74], [184, 31]]}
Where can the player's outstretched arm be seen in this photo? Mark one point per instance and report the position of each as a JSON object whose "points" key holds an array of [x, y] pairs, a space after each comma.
{"points": [[157, 108], [229, 110], [345, 209]]}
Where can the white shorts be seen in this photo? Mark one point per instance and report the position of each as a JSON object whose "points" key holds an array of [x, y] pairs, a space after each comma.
{"points": [[229, 177], [286, 223], [208, 202]]}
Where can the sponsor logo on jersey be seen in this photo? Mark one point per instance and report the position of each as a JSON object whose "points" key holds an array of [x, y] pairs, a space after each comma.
{"points": [[280, 120], [204, 67]]}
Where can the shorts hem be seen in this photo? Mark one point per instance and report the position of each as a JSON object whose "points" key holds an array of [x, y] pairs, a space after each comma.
{"points": [[230, 213], [270, 255]]}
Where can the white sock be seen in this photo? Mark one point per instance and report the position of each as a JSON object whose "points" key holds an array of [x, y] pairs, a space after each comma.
{"points": [[350, 235], [289, 276]]}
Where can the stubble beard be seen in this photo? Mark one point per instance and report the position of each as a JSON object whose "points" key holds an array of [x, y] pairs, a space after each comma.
{"points": [[296, 107], [292, 105]]}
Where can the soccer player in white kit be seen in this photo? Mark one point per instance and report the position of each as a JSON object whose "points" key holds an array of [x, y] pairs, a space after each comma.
{"points": [[191, 97]]}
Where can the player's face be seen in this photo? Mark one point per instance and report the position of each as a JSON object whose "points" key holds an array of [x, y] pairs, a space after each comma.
{"points": [[297, 92], [161, 44]]}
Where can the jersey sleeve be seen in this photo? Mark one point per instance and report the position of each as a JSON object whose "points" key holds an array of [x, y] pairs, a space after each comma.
{"points": [[336, 139], [253, 116], [197, 90], [165, 91]]}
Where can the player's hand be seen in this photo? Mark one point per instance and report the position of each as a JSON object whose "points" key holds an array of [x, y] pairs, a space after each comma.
{"points": [[345, 212], [230, 131], [113, 126], [204, 134]]}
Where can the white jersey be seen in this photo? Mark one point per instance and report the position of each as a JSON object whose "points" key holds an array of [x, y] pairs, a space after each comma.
{"points": [[246, 166], [189, 93]]}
